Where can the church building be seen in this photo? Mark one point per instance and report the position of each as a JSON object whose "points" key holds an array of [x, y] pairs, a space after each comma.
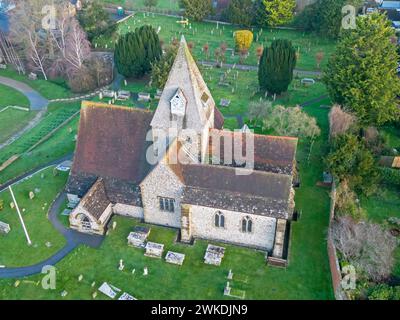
{"points": [[126, 164]]}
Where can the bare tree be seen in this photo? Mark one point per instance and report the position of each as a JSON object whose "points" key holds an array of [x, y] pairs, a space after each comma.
{"points": [[367, 246], [77, 47], [27, 32], [340, 121]]}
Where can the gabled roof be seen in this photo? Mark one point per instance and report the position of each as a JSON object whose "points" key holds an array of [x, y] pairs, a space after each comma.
{"points": [[271, 154], [96, 200], [184, 75], [112, 142]]}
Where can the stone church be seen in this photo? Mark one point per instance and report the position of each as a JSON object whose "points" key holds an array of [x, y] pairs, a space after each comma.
{"points": [[202, 196]]}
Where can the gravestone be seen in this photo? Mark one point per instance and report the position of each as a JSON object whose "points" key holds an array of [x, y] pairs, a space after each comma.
{"points": [[138, 237], [114, 225], [225, 102], [31, 195], [227, 289], [214, 255], [64, 293], [80, 278], [144, 96], [94, 295], [154, 250], [12, 205], [121, 265], [175, 258], [32, 76], [4, 228], [230, 274], [145, 271]]}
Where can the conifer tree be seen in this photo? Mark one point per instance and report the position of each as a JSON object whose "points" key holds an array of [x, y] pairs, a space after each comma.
{"points": [[136, 51], [276, 67]]}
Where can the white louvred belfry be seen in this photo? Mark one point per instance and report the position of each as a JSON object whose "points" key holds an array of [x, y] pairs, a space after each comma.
{"points": [[178, 104]]}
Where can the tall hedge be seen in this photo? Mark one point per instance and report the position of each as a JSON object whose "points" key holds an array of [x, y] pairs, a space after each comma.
{"points": [[136, 51], [276, 67]]}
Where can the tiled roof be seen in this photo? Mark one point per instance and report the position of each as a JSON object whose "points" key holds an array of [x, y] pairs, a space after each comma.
{"points": [[96, 200], [271, 154], [112, 142]]}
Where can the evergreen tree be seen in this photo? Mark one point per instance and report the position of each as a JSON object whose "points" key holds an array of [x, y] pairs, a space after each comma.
{"points": [[239, 12], [279, 11], [135, 52], [361, 75], [260, 14], [276, 67], [196, 9]]}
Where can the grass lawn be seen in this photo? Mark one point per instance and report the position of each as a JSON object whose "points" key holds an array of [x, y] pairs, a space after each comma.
{"points": [[60, 144], [238, 86], [201, 33], [14, 249], [13, 120], [11, 97], [48, 89], [139, 4], [307, 277]]}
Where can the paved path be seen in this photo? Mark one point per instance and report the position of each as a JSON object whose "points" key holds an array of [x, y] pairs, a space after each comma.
{"points": [[37, 103], [35, 170], [36, 100], [73, 238]]}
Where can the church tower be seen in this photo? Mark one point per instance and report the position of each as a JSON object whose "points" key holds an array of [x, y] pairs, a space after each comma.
{"points": [[186, 107]]}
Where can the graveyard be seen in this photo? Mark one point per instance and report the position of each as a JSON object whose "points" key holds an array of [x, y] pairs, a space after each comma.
{"points": [[42, 188], [213, 34]]}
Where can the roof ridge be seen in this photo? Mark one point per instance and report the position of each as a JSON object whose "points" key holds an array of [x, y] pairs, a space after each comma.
{"points": [[257, 134], [91, 104]]}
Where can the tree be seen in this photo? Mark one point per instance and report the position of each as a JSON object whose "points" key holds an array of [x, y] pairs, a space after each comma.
{"points": [[196, 9], [324, 17], [279, 11], [95, 20], [290, 122], [162, 68], [350, 160], [238, 12], [361, 74], [135, 52], [346, 202], [277, 63], [150, 3], [367, 246], [260, 14], [259, 110]]}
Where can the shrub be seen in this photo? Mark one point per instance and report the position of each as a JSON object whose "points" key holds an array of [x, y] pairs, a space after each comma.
{"points": [[243, 39], [390, 176]]}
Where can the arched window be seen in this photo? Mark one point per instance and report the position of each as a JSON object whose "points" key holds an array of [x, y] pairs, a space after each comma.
{"points": [[219, 219], [85, 222], [247, 225]]}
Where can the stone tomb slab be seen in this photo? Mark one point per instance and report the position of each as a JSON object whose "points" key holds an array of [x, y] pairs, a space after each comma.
{"points": [[138, 237], [175, 258], [214, 255], [154, 250]]}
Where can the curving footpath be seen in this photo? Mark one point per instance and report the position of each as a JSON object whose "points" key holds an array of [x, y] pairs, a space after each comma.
{"points": [[73, 238], [36, 100]]}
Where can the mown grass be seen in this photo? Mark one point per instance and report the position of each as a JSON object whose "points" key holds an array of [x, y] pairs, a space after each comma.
{"points": [[48, 89], [60, 144], [201, 33], [14, 250]]}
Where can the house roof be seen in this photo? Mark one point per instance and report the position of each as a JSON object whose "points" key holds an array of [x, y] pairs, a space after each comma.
{"points": [[112, 142], [96, 200], [271, 154], [184, 76]]}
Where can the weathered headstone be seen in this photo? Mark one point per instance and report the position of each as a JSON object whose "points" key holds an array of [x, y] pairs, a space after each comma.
{"points": [[121, 265], [145, 271], [31, 195]]}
